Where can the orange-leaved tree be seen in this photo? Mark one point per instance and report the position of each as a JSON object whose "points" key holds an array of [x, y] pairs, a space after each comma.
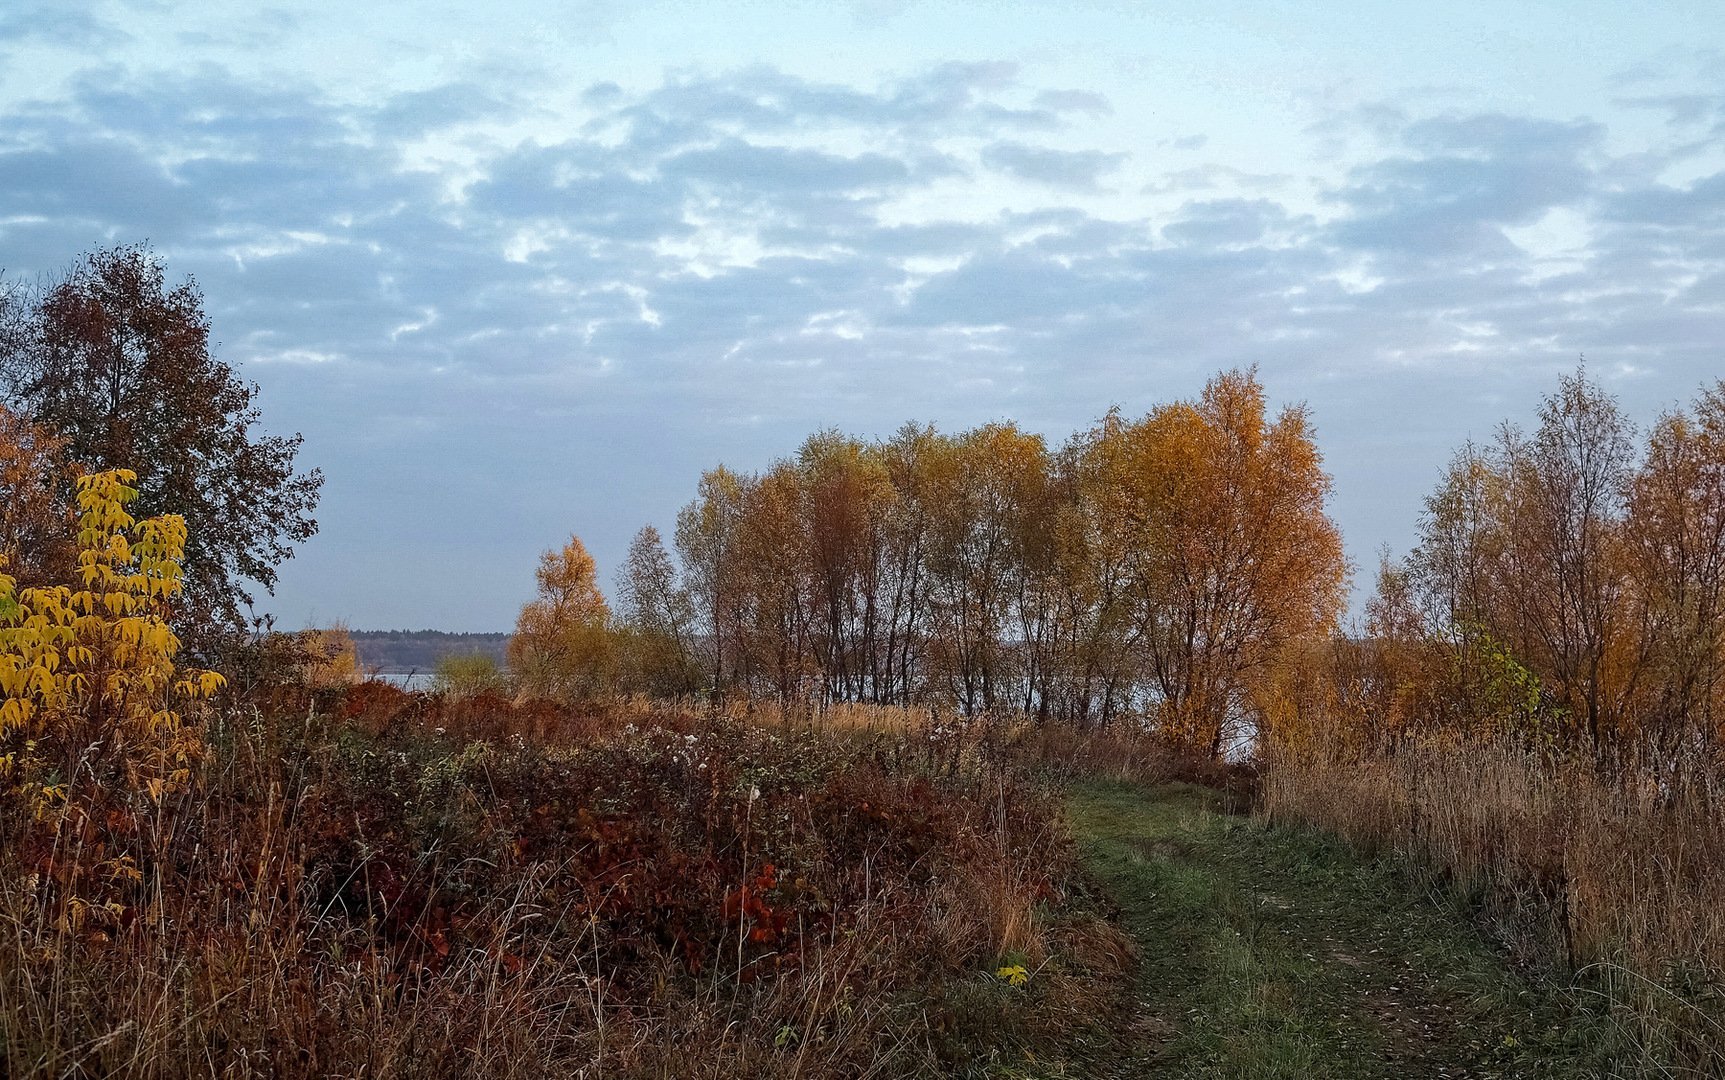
{"points": [[331, 659], [1675, 544], [1236, 559], [562, 648], [92, 730]]}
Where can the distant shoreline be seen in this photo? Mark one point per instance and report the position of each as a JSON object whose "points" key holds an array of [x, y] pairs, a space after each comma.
{"points": [[403, 652]]}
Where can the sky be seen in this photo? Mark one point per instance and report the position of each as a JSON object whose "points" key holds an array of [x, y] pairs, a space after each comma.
{"points": [[518, 270]]}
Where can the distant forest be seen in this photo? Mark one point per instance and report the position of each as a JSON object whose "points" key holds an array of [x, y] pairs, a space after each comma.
{"points": [[420, 650]]}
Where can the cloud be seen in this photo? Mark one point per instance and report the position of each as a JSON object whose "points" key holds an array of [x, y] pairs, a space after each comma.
{"points": [[1079, 169], [415, 113], [65, 23], [1227, 222], [949, 99], [1465, 180], [94, 180], [571, 187], [773, 171], [1698, 206], [1073, 101], [1211, 177], [1680, 109]]}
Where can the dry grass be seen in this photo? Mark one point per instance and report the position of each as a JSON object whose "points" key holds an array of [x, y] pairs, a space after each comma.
{"points": [[1125, 750], [1613, 878], [398, 887]]}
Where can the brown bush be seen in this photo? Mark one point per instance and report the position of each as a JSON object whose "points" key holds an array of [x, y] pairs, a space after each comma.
{"points": [[382, 892]]}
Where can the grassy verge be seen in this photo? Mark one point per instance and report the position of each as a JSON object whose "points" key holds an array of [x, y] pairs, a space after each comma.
{"points": [[1275, 952], [1606, 875]]}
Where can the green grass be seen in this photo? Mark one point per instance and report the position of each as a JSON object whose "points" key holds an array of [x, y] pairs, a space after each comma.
{"points": [[1276, 952]]}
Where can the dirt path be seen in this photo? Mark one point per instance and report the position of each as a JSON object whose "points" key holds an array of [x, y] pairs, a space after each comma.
{"points": [[1270, 952]]}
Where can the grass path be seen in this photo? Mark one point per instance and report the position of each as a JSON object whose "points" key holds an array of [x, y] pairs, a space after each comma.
{"points": [[1274, 952]]}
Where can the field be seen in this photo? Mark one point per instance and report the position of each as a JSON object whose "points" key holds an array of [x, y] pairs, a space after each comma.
{"points": [[1608, 881], [372, 883]]}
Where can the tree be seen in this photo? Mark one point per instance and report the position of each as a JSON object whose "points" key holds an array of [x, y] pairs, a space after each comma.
{"points": [[120, 367], [1676, 554], [1522, 555], [1095, 551], [911, 460], [36, 528], [706, 540], [1236, 556], [989, 489], [773, 566], [331, 657], [658, 619], [1453, 581], [848, 496], [561, 648], [1561, 583]]}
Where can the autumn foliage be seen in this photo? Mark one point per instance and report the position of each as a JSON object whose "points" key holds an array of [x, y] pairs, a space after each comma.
{"points": [[91, 726], [37, 524], [416, 886], [1533, 709], [1156, 571], [118, 365], [561, 648], [1568, 588]]}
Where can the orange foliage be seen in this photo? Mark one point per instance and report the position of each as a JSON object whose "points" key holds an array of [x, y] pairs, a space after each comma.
{"points": [[1566, 589], [36, 516], [561, 648], [1156, 570], [1238, 559]]}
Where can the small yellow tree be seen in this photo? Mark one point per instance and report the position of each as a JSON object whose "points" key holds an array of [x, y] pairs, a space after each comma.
{"points": [[89, 694], [331, 657], [561, 648]]}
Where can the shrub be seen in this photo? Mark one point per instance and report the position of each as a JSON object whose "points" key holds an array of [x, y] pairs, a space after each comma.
{"points": [[634, 891], [466, 675], [90, 732]]}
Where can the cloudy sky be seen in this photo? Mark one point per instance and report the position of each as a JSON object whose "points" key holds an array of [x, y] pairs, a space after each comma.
{"points": [[520, 269]]}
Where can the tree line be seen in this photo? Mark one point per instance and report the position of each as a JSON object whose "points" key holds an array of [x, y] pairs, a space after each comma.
{"points": [[1568, 587], [1177, 570], [1156, 568]]}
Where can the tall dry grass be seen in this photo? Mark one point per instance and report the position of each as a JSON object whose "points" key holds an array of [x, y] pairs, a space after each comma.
{"points": [[1124, 750], [1611, 878]]}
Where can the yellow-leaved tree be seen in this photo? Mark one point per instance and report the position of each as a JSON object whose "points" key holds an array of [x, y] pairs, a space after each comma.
{"points": [[330, 658], [561, 648], [92, 729], [1235, 558]]}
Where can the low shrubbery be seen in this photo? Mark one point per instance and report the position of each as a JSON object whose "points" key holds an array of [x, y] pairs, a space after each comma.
{"points": [[403, 885]]}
